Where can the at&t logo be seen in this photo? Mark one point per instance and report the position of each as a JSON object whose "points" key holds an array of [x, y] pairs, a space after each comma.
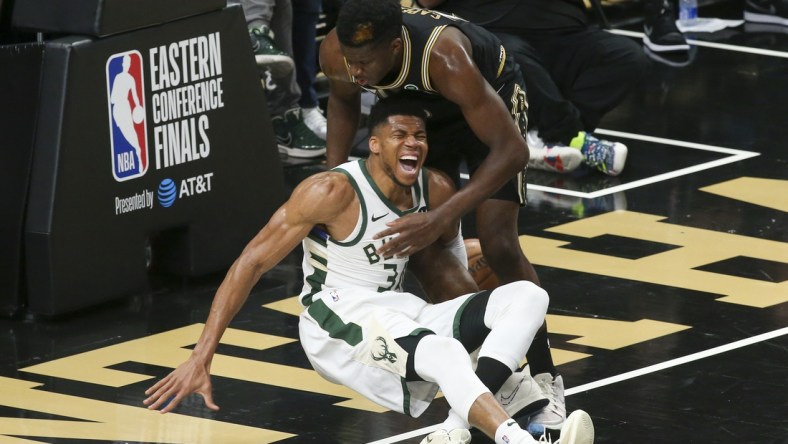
{"points": [[167, 193]]}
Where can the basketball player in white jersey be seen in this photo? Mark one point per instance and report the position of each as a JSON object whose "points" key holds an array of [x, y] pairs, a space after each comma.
{"points": [[358, 328]]}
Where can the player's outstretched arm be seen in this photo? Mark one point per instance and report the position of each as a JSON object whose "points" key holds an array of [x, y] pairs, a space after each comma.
{"points": [[317, 200]]}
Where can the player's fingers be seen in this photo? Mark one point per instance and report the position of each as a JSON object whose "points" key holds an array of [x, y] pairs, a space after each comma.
{"points": [[157, 385], [208, 397], [387, 232], [158, 397], [172, 402]]}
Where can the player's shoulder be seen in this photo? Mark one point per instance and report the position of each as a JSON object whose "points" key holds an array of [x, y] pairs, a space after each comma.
{"points": [[326, 182], [439, 181], [330, 53]]}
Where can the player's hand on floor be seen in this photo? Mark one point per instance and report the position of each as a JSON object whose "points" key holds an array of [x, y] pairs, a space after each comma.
{"points": [[190, 377]]}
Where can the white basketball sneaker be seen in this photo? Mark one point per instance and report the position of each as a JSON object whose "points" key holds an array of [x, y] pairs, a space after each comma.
{"points": [[553, 415], [520, 395], [578, 429], [315, 120], [555, 158], [441, 436]]}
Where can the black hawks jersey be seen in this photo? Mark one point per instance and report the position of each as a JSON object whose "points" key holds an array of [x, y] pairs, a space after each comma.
{"points": [[420, 31]]}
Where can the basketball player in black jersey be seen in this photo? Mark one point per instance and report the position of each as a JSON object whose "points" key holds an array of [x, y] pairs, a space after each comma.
{"points": [[474, 92]]}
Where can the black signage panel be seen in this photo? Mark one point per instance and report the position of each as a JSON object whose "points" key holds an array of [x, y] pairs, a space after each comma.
{"points": [[154, 147], [99, 18], [19, 81]]}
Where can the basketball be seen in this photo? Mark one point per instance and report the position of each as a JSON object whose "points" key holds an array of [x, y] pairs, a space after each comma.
{"points": [[477, 265], [138, 114]]}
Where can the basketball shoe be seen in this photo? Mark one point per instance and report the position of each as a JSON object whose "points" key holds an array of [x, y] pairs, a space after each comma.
{"points": [[266, 54], [766, 11], [604, 155], [294, 138], [520, 395], [315, 120], [578, 429], [441, 436], [553, 416], [660, 33], [555, 158]]}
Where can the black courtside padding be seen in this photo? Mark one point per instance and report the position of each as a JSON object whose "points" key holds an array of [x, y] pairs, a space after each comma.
{"points": [[188, 171], [104, 17], [20, 70]]}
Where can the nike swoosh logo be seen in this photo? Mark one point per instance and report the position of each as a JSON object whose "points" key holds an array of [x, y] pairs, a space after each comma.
{"points": [[648, 29], [505, 400], [511, 423], [375, 219], [772, 10], [285, 141]]}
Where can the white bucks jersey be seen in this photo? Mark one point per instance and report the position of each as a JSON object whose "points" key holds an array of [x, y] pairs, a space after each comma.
{"points": [[352, 262]]}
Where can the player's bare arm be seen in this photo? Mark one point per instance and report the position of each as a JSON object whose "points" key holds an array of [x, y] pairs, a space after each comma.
{"points": [[344, 102], [456, 77], [441, 189], [324, 199], [440, 273]]}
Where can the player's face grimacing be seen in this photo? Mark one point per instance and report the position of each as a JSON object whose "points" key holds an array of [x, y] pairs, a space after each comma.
{"points": [[402, 146]]}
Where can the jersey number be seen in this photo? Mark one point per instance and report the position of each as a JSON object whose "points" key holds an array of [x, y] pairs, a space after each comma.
{"points": [[395, 278]]}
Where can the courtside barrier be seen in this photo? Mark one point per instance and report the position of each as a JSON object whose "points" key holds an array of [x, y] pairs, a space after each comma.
{"points": [[152, 151]]}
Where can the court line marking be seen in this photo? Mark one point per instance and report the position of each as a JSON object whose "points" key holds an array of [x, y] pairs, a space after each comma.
{"points": [[735, 155], [624, 376], [724, 46]]}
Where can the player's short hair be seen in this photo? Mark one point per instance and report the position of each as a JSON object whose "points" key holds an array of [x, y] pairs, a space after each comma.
{"points": [[401, 104], [368, 22]]}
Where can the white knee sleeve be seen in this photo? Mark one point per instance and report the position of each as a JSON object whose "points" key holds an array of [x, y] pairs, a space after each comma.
{"points": [[514, 314], [445, 362]]}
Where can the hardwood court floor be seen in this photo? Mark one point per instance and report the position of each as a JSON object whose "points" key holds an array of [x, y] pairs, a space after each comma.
{"points": [[668, 287]]}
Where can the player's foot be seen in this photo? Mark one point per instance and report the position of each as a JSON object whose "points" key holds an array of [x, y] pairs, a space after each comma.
{"points": [[553, 416], [441, 436], [604, 155], [555, 158], [520, 395], [660, 33]]}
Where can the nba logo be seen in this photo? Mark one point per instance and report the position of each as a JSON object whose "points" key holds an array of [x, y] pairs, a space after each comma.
{"points": [[127, 127]]}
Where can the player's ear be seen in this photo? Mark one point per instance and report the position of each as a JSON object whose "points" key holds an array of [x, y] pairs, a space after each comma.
{"points": [[374, 145], [396, 45]]}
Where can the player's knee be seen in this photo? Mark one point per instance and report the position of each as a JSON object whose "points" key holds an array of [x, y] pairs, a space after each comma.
{"points": [[501, 253], [437, 355], [522, 299]]}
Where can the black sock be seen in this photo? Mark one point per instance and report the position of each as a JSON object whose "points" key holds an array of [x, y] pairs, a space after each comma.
{"points": [[492, 373], [539, 358]]}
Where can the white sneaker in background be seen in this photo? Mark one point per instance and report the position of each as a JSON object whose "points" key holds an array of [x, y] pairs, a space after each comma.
{"points": [[315, 120], [556, 158]]}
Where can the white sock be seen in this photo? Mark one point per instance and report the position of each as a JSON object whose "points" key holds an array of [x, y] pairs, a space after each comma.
{"points": [[509, 432], [454, 421]]}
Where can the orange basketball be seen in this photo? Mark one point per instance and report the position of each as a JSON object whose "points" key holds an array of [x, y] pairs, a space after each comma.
{"points": [[477, 265]]}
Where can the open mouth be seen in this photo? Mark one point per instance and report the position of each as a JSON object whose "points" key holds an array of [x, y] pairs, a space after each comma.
{"points": [[409, 163]]}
